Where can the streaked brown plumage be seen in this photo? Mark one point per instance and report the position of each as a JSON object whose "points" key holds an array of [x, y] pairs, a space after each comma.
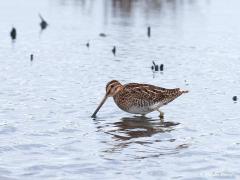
{"points": [[139, 98]]}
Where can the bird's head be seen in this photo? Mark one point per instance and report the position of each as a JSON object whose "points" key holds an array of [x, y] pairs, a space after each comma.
{"points": [[112, 88]]}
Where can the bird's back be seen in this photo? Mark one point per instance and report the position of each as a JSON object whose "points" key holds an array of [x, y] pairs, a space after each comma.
{"points": [[144, 98]]}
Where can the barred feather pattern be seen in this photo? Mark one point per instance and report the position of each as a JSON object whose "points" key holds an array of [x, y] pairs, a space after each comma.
{"points": [[143, 98]]}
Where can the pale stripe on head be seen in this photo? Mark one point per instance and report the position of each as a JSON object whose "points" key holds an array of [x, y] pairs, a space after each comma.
{"points": [[113, 87]]}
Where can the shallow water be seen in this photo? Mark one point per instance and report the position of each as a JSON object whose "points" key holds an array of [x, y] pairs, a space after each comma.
{"points": [[45, 127]]}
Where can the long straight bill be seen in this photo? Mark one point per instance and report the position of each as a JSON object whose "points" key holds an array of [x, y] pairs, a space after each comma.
{"points": [[99, 106]]}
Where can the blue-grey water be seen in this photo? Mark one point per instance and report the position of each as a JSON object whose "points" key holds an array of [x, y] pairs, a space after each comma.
{"points": [[46, 131]]}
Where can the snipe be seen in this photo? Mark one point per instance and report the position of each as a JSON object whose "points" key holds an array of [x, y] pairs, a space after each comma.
{"points": [[139, 98]]}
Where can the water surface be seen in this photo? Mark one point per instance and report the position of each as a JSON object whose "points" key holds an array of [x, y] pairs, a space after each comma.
{"points": [[45, 127]]}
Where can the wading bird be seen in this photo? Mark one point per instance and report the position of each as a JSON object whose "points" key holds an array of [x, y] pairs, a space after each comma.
{"points": [[139, 98]]}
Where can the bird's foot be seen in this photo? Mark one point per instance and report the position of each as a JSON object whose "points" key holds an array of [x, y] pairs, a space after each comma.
{"points": [[161, 115]]}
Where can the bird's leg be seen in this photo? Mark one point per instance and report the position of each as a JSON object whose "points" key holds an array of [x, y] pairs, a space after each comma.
{"points": [[161, 115]]}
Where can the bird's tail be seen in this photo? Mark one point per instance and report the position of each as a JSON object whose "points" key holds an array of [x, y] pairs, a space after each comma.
{"points": [[184, 91]]}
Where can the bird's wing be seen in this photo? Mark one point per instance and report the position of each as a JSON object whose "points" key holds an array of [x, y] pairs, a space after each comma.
{"points": [[150, 92]]}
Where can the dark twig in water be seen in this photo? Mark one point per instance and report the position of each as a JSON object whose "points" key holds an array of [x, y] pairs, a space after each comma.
{"points": [[154, 63], [114, 50], [31, 57], [156, 67], [88, 44], [161, 67], [13, 33], [149, 31], [234, 98], [43, 23], [102, 35]]}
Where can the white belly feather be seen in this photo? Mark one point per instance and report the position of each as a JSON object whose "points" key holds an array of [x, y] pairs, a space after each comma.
{"points": [[144, 109]]}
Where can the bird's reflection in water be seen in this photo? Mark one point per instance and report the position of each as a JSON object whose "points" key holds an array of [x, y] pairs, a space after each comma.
{"points": [[138, 130], [139, 126]]}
